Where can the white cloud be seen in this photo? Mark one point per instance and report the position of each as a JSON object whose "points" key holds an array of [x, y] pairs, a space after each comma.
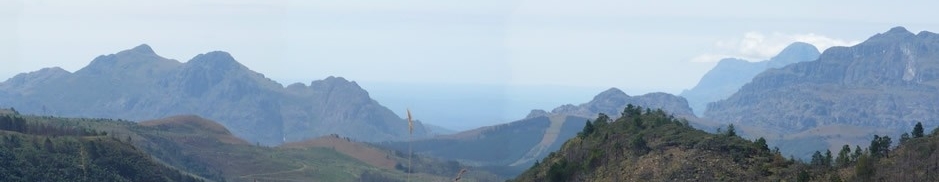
{"points": [[704, 58], [756, 46]]}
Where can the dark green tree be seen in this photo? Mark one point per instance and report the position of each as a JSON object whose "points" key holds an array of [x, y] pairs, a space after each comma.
{"points": [[904, 137], [639, 145], [864, 168], [560, 171], [602, 119], [637, 123], [731, 131], [828, 159], [918, 130], [857, 153], [843, 156], [803, 176], [761, 143], [632, 111], [834, 178], [880, 146], [588, 128], [817, 159]]}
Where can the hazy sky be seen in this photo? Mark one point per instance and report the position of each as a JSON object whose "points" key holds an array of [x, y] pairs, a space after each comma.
{"points": [[650, 46]]}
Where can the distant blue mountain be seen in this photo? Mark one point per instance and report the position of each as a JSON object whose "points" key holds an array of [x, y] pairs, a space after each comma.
{"points": [[731, 73], [138, 84]]}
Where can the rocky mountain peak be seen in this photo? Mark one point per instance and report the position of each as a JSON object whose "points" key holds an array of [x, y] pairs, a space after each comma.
{"points": [[928, 36], [217, 60], [799, 47], [335, 82], [609, 94], [131, 61], [795, 52], [142, 49], [731, 62], [536, 113], [898, 30], [895, 33], [51, 71]]}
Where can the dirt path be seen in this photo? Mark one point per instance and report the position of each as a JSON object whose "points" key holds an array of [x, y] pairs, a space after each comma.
{"points": [[551, 134], [254, 176]]}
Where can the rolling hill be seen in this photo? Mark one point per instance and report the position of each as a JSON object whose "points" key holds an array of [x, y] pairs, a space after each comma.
{"points": [[43, 151], [205, 150]]}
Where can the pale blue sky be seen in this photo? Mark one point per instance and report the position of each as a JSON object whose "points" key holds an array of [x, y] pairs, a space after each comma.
{"points": [[638, 46], [584, 43]]}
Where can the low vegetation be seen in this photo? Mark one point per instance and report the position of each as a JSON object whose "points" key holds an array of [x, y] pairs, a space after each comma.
{"points": [[190, 148], [41, 151], [650, 145]]}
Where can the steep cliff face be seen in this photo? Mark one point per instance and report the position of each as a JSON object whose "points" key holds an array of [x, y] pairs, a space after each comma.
{"points": [[887, 82], [731, 73], [138, 84], [323, 98]]}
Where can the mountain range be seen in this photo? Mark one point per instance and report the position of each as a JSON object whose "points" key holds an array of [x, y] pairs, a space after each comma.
{"points": [[882, 85], [138, 84], [731, 73], [512, 147]]}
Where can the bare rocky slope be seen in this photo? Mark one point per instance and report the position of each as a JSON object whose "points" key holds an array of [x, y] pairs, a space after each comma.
{"points": [[883, 84]]}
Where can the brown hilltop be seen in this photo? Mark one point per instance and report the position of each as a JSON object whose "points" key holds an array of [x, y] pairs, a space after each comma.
{"points": [[192, 124]]}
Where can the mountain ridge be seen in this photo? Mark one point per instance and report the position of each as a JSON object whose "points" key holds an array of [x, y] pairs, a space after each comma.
{"points": [[730, 74], [884, 82], [137, 84], [613, 100]]}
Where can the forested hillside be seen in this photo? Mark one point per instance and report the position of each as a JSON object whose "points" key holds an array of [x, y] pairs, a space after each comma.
{"points": [[191, 148], [32, 151], [650, 145]]}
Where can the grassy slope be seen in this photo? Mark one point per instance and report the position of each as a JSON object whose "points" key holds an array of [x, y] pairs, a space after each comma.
{"points": [[205, 148], [386, 159], [371, 155], [47, 149]]}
